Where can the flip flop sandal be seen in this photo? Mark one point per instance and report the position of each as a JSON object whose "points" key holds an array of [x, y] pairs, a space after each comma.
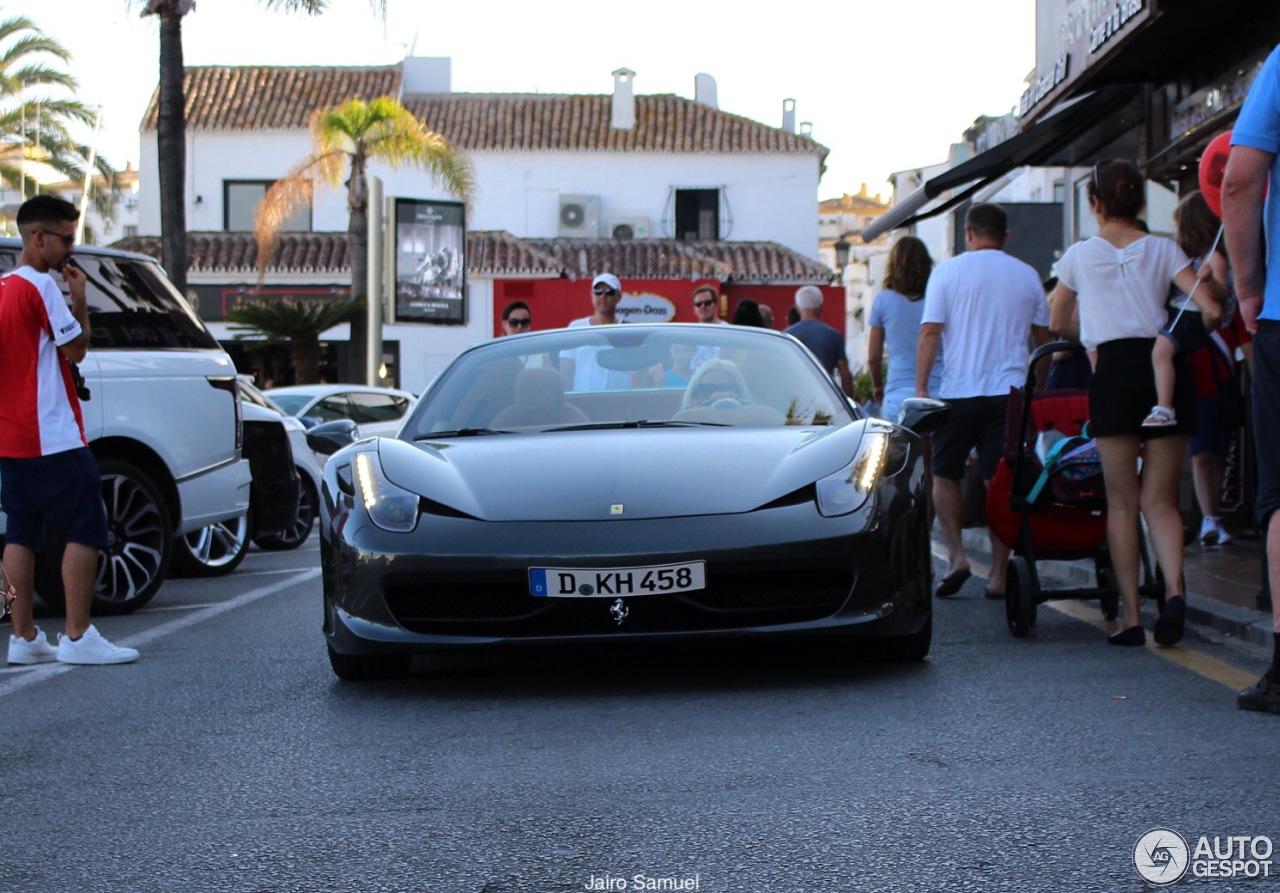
{"points": [[952, 583]]}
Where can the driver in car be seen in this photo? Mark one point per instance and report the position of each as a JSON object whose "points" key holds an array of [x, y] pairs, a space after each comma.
{"points": [[716, 380]]}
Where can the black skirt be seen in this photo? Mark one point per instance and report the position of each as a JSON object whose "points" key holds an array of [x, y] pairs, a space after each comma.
{"points": [[1123, 391]]}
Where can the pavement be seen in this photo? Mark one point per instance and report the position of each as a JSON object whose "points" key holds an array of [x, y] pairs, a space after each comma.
{"points": [[1222, 582]]}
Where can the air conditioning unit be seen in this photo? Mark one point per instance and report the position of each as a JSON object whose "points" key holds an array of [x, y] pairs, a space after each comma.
{"points": [[629, 228], [580, 216]]}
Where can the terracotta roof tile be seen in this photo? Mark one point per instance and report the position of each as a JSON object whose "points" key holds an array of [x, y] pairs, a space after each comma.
{"points": [[497, 254], [264, 97], [283, 98]]}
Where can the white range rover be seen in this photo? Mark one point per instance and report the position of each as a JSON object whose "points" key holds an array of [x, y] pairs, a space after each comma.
{"points": [[163, 420]]}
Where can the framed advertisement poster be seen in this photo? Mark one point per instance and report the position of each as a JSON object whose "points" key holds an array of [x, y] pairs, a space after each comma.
{"points": [[431, 267]]}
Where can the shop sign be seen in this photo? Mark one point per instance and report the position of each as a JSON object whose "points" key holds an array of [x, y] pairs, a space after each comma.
{"points": [[1036, 93], [1073, 36], [645, 307], [1210, 102], [1113, 23]]}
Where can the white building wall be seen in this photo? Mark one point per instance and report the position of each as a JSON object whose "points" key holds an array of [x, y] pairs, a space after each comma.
{"points": [[765, 197]]}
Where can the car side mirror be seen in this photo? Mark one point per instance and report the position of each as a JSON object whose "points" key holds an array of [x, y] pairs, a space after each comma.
{"points": [[326, 439], [924, 415]]}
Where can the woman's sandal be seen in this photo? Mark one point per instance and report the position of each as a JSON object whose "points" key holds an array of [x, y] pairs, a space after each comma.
{"points": [[1160, 417]]}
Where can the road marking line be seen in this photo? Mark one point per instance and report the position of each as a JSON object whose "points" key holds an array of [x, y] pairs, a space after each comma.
{"points": [[41, 672], [1196, 661]]}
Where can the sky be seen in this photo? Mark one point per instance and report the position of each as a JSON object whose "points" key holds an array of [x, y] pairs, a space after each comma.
{"points": [[887, 86]]}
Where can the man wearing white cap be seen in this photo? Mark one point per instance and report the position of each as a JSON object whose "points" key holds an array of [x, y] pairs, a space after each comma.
{"points": [[578, 368]]}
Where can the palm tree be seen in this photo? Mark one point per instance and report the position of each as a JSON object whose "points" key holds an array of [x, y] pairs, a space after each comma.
{"points": [[299, 321], [171, 122], [38, 127], [344, 141]]}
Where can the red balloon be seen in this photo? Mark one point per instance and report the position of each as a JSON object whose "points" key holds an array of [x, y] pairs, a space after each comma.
{"points": [[1213, 166]]}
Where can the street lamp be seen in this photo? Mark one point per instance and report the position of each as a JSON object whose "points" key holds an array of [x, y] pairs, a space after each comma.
{"points": [[842, 247]]}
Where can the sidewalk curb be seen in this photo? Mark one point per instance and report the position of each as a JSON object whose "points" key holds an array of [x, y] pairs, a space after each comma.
{"points": [[1245, 624]]}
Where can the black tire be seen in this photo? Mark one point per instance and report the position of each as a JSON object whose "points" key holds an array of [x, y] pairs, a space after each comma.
{"points": [[308, 510], [135, 563], [213, 551], [1109, 596], [907, 649], [369, 667], [1019, 597], [1110, 605]]}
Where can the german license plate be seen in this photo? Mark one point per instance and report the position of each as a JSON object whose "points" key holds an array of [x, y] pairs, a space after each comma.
{"points": [[612, 582]]}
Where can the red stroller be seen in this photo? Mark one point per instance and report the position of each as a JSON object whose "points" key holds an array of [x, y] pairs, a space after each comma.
{"points": [[1052, 508]]}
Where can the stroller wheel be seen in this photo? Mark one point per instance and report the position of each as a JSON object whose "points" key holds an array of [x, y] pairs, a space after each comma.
{"points": [[1019, 597], [1109, 602]]}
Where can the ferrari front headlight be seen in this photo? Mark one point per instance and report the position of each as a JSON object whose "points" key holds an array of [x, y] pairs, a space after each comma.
{"points": [[388, 506], [847, 489]]}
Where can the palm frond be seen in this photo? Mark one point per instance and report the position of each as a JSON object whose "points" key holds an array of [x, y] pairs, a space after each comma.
{"points": [[288, 317]]}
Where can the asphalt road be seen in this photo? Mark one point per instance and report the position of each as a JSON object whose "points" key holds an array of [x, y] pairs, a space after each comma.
{"points": [[230, 759]]}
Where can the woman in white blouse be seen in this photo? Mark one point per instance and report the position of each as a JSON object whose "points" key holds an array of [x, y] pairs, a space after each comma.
{"points": [[1120, 279]]}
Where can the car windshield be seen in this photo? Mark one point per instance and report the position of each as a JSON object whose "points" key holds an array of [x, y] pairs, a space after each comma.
{"points": [[291, 403], [629, 376]]}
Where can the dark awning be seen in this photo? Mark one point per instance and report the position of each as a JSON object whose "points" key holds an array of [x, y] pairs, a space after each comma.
{"points": [[1074, 133]]}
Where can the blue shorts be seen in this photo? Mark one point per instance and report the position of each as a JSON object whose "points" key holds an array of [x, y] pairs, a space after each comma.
{"points": [[1209, 435], [64, 490]]}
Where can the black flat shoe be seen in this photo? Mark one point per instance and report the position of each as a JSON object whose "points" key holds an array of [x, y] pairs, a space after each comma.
{"points": [[952, 582], [1131, 637], [1172, 623]]}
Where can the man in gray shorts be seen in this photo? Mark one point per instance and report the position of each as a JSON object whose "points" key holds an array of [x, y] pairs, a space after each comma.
{"points": [[986, 305]]}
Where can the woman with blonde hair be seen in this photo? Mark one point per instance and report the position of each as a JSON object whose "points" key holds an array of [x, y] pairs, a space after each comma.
{"points": [[895, 322]]}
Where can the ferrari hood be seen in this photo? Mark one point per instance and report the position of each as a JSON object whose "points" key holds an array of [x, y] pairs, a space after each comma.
{"points": [[624, 474]]}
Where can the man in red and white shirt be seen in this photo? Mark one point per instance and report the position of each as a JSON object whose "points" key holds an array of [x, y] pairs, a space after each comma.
{"points": [[47, 473]]}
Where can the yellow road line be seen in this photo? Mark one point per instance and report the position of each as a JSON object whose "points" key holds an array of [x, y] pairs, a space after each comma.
{"points": [[1196, 661]]}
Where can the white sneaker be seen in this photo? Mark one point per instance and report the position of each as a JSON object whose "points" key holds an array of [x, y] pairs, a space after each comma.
{"points": [[1224, 536], [38, 651], [1211, 532], [91, 648]]}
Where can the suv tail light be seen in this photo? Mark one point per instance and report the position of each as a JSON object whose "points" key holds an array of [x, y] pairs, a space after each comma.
{"points": [[232, 384]]}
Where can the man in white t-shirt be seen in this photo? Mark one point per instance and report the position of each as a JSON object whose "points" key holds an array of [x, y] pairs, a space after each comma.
{"points": [[987, 306], [579, 370]]}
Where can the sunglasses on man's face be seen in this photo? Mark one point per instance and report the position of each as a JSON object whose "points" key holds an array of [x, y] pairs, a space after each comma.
{"points": [[602, 290], [707, 303], [67, 241], [519, 320]]}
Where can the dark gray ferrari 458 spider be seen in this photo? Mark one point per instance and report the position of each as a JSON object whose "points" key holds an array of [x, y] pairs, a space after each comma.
{"points": [[628, 482]]}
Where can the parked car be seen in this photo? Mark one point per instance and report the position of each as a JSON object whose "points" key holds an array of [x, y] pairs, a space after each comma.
{"points": [[163, 421], [756, 499], [309, 470], [274, 496], [375, 410]]}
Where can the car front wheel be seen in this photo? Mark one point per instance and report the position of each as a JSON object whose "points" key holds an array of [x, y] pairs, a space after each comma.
{"points": [[308, 509]]}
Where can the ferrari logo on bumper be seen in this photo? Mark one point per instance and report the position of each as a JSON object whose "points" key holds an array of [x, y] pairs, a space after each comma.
{"points": [[619, 611]]}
